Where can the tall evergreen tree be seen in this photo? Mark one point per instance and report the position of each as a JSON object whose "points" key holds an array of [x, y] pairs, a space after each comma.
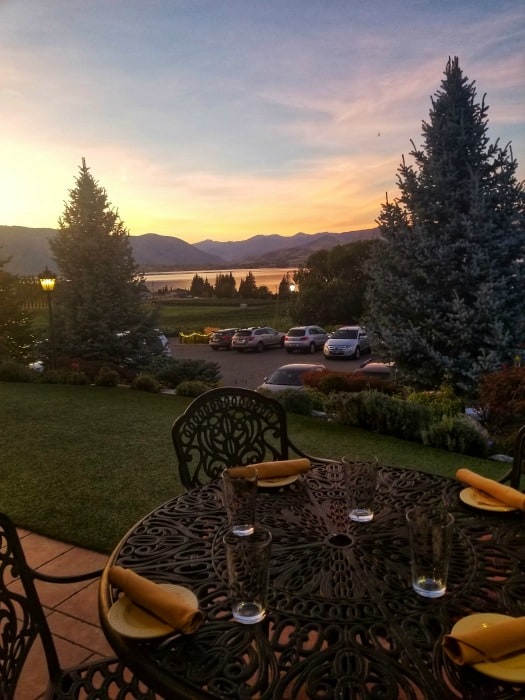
{"points": [[248, 287], [97, 306], [16, 337], [225, 286], [445, 296]]}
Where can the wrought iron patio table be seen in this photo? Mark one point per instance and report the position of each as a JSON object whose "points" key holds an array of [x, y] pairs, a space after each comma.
{"points": [[343, 621]]}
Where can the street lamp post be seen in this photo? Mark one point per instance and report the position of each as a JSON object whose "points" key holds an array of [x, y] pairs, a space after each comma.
{"points": [[47, 281]]}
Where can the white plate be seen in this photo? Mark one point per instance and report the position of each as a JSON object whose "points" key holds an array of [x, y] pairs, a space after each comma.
{"points": [[277, 481], [131, 621], [511, 668], [470, 497]]}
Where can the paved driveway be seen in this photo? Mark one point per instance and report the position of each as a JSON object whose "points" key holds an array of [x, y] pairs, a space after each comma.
{"points": [[248, 369]]}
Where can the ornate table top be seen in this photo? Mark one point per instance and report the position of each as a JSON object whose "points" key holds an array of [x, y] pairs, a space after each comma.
{"points": [[343, 621]]}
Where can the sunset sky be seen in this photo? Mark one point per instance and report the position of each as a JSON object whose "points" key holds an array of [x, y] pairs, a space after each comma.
{"points": [[224, 119]]}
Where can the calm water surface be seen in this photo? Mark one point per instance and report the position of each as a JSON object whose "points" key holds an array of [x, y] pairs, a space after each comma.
{"points": [[181, 279]]}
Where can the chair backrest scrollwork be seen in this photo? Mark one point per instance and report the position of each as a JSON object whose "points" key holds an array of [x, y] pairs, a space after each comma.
{"points": [[228, 427]]}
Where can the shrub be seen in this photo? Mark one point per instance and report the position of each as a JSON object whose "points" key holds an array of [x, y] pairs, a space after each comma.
{"points": [[145, 382], [442, 402], [317, 399], [11, 371], [334, 382], [107, 377], [296, 401], [329, 381], [502, 397], [192, 388], [172, 372], [385, 414], [456, 434], [63, 376]]}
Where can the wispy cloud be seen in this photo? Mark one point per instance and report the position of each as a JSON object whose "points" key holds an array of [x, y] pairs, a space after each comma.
{"points": [[236, 118]]}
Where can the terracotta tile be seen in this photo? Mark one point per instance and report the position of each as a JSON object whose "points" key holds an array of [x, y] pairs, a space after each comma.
{"points": [[90, 637], [39, 549], [83, 605], [34, 678], [74, 560]]}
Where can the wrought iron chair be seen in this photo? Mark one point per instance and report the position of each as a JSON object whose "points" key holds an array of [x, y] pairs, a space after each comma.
{"points": [[22, 621], [518, 463], [230, 427]]}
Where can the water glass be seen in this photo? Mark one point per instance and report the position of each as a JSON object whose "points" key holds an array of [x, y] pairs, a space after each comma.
{"points": [[248, 562], [430, 537], [360, 473], [240, 495]]}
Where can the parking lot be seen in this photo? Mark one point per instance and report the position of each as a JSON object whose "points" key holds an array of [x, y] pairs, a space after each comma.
{"points": [[248, 369]]}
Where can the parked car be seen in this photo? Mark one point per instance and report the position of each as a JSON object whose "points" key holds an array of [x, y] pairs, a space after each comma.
{"points": [[305, 339], [257, 339], [222, 338], [347, 342], [289, 377], [373, 368]]}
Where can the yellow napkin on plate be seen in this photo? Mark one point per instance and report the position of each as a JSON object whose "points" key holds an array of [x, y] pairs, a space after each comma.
{"points": [[167, 606], [486, 643], [502, 493], [272, 470]]}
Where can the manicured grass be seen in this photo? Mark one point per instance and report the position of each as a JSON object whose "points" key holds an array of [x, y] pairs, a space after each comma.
{"points": [[83, 464], [195, 315]]}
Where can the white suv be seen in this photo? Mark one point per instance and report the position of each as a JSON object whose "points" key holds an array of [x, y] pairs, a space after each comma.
{"points": [[305, 339], [348, 341]]}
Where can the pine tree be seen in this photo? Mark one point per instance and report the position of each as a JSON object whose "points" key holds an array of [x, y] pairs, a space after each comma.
{"points": [[98, 313], [16, 337], [445, 296], [225, 286], [248, 287]]}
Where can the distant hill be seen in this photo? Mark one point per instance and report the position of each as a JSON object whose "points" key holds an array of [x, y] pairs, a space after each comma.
{"points": [[152, 250], [28, 248], [258, 248], [29, 251]]}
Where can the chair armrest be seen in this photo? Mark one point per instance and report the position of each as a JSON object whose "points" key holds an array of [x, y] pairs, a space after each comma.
{"points": [[73, 578]]}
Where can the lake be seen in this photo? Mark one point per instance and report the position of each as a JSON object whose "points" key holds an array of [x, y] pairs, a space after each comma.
{"points": [[181, 279]]}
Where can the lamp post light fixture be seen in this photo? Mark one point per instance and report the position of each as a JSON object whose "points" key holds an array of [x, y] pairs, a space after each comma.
{"points": [[47, 281], [290, 278]]}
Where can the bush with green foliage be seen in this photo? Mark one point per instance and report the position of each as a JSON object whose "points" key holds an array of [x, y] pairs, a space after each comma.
{"points": [[192, 388], [442, 402], [457, 434], [107, 377], [384, 414], [172, 372], [11, 371], [293, 401], [146, 382]]}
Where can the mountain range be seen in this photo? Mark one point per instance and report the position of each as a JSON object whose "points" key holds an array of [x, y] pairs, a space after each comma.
{"points": [[29, 251]]}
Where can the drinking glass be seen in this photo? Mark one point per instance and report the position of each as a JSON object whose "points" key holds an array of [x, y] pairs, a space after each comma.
{"points": [[240, 495], [430, 536], [248, 562], [360, 474]]}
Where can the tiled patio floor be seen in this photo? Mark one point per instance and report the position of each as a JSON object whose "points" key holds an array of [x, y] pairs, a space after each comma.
{"points": [[72, 609]]}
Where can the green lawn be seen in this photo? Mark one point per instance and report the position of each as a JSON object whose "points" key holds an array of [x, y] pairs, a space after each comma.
{"points": [[82, 464], [194, 315]]}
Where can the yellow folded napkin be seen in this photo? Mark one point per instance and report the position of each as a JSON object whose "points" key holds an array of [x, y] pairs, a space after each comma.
{"points": [[271, 470], [504, 494], [167, 606], [486, 643]]}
